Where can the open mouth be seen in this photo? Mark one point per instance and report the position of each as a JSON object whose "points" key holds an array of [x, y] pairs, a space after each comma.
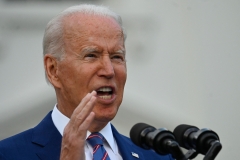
{"points": [[105, 92]]}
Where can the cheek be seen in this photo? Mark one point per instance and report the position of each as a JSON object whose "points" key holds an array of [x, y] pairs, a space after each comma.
{"points": [[122, 76], [68, 75]]}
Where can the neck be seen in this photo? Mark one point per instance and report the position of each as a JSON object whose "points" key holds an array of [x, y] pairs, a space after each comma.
{"points": [[66, 112], [97, 126], [65, 108]]}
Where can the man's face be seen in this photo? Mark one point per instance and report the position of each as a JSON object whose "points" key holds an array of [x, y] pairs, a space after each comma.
{"points": [[94, 60]]}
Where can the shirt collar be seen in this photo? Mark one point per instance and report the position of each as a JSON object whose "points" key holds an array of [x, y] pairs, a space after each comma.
{"points": [[60, 121], [107, 134]]}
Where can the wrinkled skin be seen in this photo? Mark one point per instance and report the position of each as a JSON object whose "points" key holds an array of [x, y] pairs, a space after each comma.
{"points": [[94, 59]]}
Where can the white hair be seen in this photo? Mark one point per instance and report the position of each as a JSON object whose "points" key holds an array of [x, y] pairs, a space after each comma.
{"points": [[53, 36]]}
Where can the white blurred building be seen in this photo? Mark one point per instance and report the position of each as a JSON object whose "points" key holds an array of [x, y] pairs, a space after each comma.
{"points": [[183, 61]]}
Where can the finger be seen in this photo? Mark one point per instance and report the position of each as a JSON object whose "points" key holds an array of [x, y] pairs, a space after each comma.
{"points": [[80, 117], [82, 104], [86, 124]]}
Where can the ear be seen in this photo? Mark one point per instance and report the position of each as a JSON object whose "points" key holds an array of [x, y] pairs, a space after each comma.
{"points": [[51, 69]]}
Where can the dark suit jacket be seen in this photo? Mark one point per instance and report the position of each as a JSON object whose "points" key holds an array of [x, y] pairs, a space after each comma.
{"points": [[43, 142]]}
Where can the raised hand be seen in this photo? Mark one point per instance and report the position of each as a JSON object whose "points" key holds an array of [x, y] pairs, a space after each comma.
{"points": [[74, 135]]}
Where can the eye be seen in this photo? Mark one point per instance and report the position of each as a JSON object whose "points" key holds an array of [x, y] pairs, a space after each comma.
{"points": [[91, 55], [118, 57]]}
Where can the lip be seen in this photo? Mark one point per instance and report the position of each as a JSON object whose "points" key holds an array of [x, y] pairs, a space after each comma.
{"points": [[107, 101]]}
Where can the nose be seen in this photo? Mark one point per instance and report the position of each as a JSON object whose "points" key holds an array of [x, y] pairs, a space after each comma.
{"points": [[106, 69]]}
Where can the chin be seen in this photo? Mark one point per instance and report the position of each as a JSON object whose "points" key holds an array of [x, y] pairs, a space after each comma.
{"points": [[105, 115]]}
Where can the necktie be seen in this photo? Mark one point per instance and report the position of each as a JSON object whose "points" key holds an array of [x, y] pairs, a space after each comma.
{"points": [[96, 141]]}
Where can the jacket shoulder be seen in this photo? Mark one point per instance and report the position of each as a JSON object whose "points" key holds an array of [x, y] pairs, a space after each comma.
{"points": [[18, 145], [42, 140], [17, 140]]}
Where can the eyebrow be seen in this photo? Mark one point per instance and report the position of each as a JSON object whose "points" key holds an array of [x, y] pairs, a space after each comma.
{"points": [[89, 49], [121, 51]]}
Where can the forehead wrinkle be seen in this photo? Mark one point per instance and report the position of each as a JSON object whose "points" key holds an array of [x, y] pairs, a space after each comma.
{"points": [[76, 31], [117, 47]]}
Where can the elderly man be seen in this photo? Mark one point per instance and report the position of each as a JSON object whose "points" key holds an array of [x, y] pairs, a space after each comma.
{"points": [[84, 60]]}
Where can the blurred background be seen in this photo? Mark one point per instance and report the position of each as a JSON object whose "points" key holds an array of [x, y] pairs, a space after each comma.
{"points": [[183, 61]]}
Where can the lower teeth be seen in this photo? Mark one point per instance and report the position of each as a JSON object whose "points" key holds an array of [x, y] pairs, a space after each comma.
{"points": [[105, 97]]}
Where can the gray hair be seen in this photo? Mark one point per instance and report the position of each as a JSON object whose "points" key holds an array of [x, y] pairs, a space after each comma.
{"points": [[53, 36]]}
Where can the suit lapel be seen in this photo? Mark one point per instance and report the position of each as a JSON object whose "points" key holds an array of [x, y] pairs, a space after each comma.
{"points": [[48, 138], [128, 150]]}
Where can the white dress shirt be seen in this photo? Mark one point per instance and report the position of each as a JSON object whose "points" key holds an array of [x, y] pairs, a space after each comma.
{"points": [[110, 145]]}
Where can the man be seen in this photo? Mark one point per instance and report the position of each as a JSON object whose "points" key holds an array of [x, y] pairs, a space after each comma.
{"points": [[84, 60]]}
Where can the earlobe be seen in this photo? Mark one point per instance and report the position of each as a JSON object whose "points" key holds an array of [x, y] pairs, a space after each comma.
{"points": [[51, 68]]}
